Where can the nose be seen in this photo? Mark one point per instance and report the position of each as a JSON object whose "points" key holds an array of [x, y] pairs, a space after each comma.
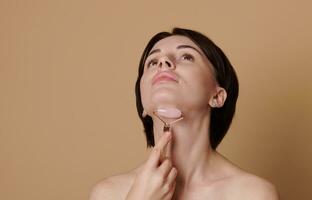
{"points": [[165, 62]]}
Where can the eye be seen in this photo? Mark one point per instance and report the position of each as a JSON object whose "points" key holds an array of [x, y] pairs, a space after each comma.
{"points": [[187, 57], [152, 63]]}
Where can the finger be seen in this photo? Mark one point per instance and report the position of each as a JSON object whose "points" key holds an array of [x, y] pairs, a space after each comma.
{"points": [[165, 167], [168, 149], [171, 191], [154, 158], [172, 176], [163, 144], [163, 140], [157, 153]]}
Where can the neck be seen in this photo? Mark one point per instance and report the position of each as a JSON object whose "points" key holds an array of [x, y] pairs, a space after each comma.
{"points": [[190, 149]]}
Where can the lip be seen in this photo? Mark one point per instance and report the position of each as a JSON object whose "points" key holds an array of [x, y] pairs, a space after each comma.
{"points": [[164, 76]]}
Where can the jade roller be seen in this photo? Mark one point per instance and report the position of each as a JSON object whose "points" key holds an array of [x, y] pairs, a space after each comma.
{"points": [[168, 116]]}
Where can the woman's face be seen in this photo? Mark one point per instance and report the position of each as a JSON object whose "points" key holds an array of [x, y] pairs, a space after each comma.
{"points": [[177, 74]]}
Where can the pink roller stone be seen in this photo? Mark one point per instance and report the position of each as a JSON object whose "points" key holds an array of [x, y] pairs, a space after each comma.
{"points": [[171, 113]]}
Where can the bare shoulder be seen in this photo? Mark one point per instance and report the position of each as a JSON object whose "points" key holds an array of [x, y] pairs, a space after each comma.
{"points": [[242, 185], [113, 187], [251, 187]]}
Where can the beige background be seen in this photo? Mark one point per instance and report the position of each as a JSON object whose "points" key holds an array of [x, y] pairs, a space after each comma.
{"points": [[67, 74]]}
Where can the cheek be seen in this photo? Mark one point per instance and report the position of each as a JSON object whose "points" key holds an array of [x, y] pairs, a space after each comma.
{"points": [[144, 90], [201, 85]]}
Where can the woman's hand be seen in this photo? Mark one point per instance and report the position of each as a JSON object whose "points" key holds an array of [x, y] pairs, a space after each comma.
{"points": [[156, 181]]}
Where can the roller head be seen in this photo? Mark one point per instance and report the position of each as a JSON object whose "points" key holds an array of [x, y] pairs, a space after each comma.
{"points": [[170, 113]]}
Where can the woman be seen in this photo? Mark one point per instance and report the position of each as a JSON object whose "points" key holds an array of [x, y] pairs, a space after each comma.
{"points": [[185, 70]]}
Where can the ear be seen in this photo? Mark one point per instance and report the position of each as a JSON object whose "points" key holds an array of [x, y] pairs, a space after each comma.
{"points": [[144, 113], [218, 99]]}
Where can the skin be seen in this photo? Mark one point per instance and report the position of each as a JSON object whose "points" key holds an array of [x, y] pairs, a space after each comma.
{"points": [[182, 165]]}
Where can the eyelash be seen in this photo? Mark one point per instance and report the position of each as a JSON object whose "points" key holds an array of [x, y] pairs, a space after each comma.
{"points": [[188, 57], [185, 56], [153, 61]]}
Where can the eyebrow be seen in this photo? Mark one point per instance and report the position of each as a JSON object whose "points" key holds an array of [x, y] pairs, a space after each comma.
{"points": [[188, 46], [153, 51], [178, 47]]}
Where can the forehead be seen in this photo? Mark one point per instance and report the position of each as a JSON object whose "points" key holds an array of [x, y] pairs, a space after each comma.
{"points": [[173, 42]]}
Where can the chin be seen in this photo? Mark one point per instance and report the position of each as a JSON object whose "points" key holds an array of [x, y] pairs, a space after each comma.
{"points": [[165, 99]]}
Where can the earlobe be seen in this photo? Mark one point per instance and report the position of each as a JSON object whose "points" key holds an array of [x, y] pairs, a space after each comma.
{"points": [[217, 101], [144, 113], [212, 102]]}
